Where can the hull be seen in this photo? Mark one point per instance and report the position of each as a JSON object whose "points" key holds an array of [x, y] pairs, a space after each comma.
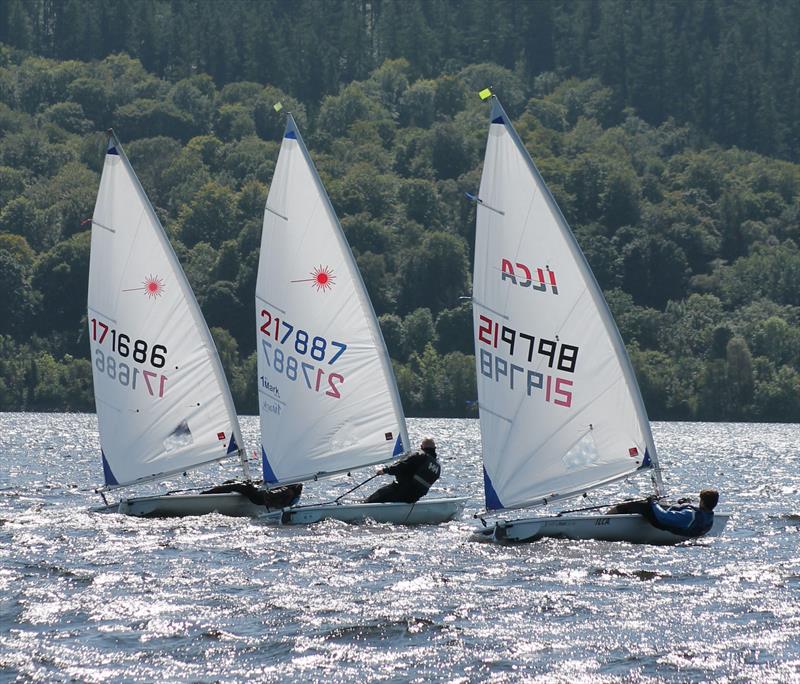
{"points": [[632, 528], [178, 505], [423, 512]]}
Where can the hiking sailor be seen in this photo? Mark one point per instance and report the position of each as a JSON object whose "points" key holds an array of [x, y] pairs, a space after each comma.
{"points": [[414, 476], [685, 520]]}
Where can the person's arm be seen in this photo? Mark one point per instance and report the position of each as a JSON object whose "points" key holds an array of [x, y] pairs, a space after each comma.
{"points": [[405, 466], [680, 518]]}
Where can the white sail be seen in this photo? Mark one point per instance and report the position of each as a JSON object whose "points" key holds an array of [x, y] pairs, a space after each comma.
{"points": [[560, 409], [327, 396], [163, 404]]}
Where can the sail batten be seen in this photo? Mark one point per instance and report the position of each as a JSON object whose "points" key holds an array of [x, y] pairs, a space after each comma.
{"points": [[163, 403], [547, 351], [330, 403]]}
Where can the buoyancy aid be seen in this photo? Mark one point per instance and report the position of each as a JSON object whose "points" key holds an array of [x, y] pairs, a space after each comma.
{"points": [[428, 471], [686, 521]]}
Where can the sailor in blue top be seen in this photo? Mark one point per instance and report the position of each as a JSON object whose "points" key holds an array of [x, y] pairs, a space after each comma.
{"points": [[684, 520]]}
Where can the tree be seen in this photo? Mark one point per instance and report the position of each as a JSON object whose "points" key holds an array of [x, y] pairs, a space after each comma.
{"points": [[427, 366], [418, 331], [210, 217], [376, 279], [361, 190], [69, 116], [234, 122], [337, 113], [195, 97], [417, 107], [93, 101], [452, 155], [21, 217], [19, 301], [458, 371], [454, 330], [421, 202], [435, 274], [145, 117], [367, 234], [393, 335], [62, 276], [654, 270]]}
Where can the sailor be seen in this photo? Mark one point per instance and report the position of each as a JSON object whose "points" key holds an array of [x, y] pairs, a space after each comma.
{"points": [[279, 497], [685, 520], [414, 476]]}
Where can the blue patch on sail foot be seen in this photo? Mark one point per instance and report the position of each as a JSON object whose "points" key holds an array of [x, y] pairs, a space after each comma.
{"points": [[112, 148], [499, 120], [233, 446], [646, 462], [107, 474], [398, 446], [292, 135], [266, 468], [492, 500]]}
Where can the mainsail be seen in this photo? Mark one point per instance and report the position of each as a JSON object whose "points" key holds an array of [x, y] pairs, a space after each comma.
{"points": [[560, 409], [327, 396], [163, 404]]}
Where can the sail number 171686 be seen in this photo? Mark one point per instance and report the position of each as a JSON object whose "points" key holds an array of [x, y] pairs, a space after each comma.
{"points": [[114, 352]]}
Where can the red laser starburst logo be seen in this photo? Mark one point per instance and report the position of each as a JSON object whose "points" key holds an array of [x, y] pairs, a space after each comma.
{"points": [[153, 287], [322, 278]]}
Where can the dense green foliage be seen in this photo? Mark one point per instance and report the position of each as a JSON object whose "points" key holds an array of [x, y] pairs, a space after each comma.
{"points": [[694, 242], [731, 68]]}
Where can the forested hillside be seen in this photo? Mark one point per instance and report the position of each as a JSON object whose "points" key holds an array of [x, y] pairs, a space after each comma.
{"points": [[731, 68], [695, 241]]}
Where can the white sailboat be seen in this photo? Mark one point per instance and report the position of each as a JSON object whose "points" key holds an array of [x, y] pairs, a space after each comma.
{"points": [[328, 400], [163, 404], [560, 409]]}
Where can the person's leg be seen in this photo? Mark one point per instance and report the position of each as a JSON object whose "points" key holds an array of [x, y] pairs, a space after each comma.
{"points": [[640, 507], [386, 494]]}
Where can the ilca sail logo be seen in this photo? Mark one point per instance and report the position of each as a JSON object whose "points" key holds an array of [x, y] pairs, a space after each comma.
{"points": [[524, 276]]}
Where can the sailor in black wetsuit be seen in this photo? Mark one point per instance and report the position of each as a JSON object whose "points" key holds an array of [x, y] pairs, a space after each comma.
{"points": [[684, 520], [414, 476]]}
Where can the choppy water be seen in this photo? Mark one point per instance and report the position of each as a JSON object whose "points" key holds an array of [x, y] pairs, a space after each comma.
{"points": [[92, 598]]}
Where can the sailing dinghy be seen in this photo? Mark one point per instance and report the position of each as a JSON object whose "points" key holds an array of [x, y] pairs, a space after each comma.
{"points": [[163, 404], [560, 409], [328, 400]]}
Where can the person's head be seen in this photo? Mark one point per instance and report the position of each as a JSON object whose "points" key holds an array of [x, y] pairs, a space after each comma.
{"points": [[428, 444], [709, 498]]}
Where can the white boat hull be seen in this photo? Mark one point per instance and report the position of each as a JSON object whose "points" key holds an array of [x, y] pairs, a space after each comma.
{"points": [[631, 528], [178, 505], [423, 512]]}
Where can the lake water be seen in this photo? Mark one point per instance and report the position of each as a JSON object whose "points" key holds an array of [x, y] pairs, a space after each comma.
{"points": [[93, 598]]}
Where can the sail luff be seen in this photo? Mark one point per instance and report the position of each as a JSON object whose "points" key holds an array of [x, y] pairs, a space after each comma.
{"points": [[594, 290]]}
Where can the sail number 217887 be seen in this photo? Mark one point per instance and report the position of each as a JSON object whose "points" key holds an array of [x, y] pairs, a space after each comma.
{"points": [[290, 344]]}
